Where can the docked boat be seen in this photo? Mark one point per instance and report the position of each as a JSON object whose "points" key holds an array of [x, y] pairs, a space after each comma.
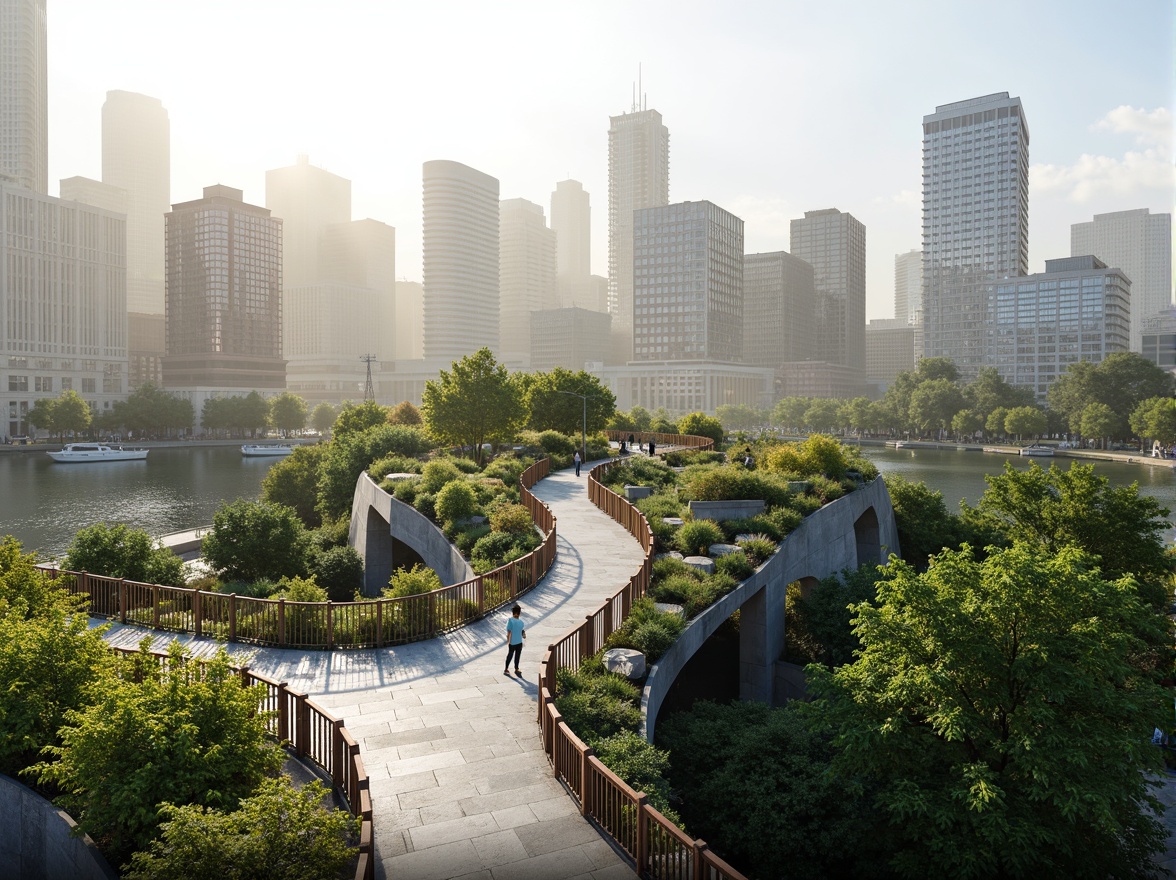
{"points": [[254, 450], [899, 444], [1038, 451], [79, 452]]}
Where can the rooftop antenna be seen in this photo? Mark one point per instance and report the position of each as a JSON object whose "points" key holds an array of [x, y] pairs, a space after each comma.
{"points": [[369, 390], [640, 90]]}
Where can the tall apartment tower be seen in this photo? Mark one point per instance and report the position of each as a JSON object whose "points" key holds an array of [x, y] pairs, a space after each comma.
{"points": [[526, 276], [638, 177], [308, 200], [571, 218], [688, 283], [224, 297], [975, 221], [1140, 243], [460, 250], [136, 158], [24, 96], [779, 308], [63, 326], [834, 244], [908, 287]]}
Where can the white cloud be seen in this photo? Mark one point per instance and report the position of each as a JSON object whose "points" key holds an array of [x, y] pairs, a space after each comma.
{"points": [[1137, 173]]}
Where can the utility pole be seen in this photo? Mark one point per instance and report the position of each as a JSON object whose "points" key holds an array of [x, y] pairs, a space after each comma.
{"points": [[369, 390]]}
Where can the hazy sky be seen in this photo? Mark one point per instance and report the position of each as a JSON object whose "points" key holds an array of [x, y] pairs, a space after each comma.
{"points": [[774, 108]]}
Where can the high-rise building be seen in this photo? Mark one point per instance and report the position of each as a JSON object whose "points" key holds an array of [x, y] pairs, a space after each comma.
{"points": [[63, 287], [308, 200], [526, 276], [24, 96], [779, 307], [571, 218], [638, 177], [890, 350], [1159, 339], [224, 297], [1076, 310], [136, 158], [570, 338], [1140, 243], [975, 221], [409, 323], [834, 244], [687, 283], [908, 287], [460, 249]]}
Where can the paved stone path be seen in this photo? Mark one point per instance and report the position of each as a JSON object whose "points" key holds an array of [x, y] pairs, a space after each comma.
{"points": [[460, 784]]}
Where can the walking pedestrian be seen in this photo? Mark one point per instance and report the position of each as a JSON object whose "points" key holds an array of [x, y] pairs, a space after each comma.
{"points": [[652, 447], [516, 632], [576, 458]]}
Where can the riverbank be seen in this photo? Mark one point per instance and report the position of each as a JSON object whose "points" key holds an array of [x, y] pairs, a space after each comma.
{"points": [[195, 443]]}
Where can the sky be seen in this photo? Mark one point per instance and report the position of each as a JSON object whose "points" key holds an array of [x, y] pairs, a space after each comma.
{"points": [[773, 108]]}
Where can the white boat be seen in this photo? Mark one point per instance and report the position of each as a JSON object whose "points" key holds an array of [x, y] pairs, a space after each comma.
{"points": [[899, 444], [1039, 451], [256, 450], [75, 452]]}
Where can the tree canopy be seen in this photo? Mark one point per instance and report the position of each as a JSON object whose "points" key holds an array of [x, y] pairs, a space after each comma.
{"points": [[67, 414], [551, 403], [255, 539], [473, 403], [120, 551], [287, 412], [355, 418], [1122, 381], [701, 425]]}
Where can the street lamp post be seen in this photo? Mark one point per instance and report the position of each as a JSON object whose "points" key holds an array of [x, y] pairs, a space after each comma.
{"points": [[583, 422]]}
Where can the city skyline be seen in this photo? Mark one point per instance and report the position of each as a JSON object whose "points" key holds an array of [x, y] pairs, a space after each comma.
{"points": [[1102, 133]]}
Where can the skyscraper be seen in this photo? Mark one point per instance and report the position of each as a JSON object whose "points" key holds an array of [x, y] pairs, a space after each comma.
{"points": [[908, 287], [834, 244], [688, 283], [24, 96], [571, 218], [779, 307], [638, 177], [526, 276], [308, 200], [1140, 243], [224, 296], [460, 245], [975, 221]]}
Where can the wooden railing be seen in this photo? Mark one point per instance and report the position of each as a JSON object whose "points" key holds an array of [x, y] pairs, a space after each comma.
{"points": [[658, 847], [314, 734], [282, 623], [682, 441]]}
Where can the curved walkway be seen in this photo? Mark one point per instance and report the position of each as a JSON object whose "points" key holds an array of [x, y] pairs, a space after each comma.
{"points": [[460, 784]]}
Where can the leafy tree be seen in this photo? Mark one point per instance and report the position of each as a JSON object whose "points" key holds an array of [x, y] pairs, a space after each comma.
{"points": [[822, 414], [287, 412], [701, 425], [1155, 419], [990, 391], [934, 402], [994, 425], [933, 369], [985, 706], [123, 552], [322, 418], [1059, 508], [760, 783], [355, 418], [253, 413], [456, 501], [641, 417], [1098, 420], [1023, 420], [280, 832], [662, 425], [925, 525], [818, 625], [857, 414], [967, 422], [71, 414], [789, 412], [404, 413], [293, 482], [1121, 381], [739, 417], [473, 403], [150, 410], [350, 453], [621, 421], [548, 408], [251, 540], [156, 735], [339, 571], [43, 415]]}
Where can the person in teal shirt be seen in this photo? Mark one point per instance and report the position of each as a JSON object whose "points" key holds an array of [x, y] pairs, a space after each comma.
{"points": [[516, 632]]}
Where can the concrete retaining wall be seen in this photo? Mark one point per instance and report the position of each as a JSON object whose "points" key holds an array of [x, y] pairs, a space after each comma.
{"points": [[724, 510], [376, 517], [37, 841], [851, 531]]}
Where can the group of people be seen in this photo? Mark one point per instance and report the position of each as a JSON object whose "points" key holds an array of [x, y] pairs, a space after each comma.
{"points": [[627, 447]]}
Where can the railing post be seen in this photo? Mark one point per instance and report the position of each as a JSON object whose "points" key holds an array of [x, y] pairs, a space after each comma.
{"points": [[700, 846], [642, 854], [338, 759], [588, 640], [608, 620], [514, 581], [481, 588], [585, 786], [283, 713], [122, 600], [330, 625], [432, 613], [232, 617], [155, 605], [301, 726], [197, 623], [379, 623], [281, 621]]}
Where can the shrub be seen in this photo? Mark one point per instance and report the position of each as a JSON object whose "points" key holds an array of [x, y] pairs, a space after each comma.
{"points": [[437, 473], [758, 548], [735, 482], [596, 704], [555, 443], [456, 501], [658, 505], [654, 637], [406, 490], [641, 472], [468, 536], [262, 588], [667, 566], [818, 455], [349, 455], [786, 519], [280, 832], [805, 504], [687, 457], [122, 552], [466, 465], [642, 766], [694, 538], [156, 735], [825, 489], [737, 565], [426, 504], [507, 469], [393, 464], [332, 533], [251, 540], [676, 588], [298, 589], [499, 548], [339, 570], [512, 518], [411, 582], [755, 525]]}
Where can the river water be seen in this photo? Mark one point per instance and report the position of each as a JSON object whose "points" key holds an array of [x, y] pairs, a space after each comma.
{"points": [[44, 504]]}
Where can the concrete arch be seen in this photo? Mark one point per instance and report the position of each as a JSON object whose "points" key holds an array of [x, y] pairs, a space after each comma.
{"points": [[379, 522], [825, 543]]}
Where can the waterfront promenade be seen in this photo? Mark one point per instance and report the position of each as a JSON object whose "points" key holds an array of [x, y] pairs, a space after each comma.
{"points": [[460, 784]]}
